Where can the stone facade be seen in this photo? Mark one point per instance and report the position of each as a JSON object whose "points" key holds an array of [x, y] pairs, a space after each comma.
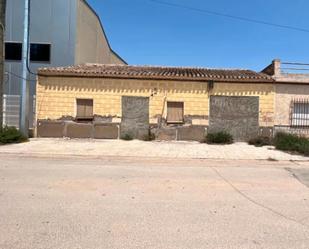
{"points": [[135, 117], [265, 92], [237, 115]]}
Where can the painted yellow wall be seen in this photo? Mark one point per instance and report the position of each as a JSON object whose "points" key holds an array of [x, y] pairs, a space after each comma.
{"points": [[56, 96]]}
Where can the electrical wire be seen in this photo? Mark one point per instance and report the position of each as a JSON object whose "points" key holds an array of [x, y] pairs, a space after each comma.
{"points": [[28, 39], [215, 13], [18, 76]]}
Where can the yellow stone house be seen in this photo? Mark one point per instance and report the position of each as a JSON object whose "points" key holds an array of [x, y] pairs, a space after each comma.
{"points": [[109, 101]]}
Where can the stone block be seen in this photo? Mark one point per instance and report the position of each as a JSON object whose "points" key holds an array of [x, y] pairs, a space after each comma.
{"points": [[237, 115], [52, 129], [199, 122], [166, 134], [106, 131], [79, 130], [266, 131], [191, 133], [116, 120]]}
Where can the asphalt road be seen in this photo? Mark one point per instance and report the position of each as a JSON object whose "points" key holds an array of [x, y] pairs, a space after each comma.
{"points": [[133, 203]]}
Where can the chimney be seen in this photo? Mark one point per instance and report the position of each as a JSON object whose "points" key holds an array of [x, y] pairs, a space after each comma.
{"points": [[277, 67], [274, 69]]}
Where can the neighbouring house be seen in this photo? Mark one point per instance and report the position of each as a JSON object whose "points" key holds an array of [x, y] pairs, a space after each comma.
{"points": [[62, 32], [291, 96], [110, 101]]}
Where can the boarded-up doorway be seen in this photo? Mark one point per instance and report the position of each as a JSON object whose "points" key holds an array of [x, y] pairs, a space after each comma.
{"points": [[135, 117], [237, 115]]}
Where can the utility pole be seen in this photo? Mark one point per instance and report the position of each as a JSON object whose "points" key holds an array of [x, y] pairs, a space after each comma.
{"points": [[2, 34], [24, 96]]}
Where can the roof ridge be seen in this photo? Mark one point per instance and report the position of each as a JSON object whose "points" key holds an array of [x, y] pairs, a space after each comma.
{"points": [[157, 72], [166, 67]]}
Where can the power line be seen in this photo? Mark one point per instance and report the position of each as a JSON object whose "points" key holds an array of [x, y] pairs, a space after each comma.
{"points": [[215, 13], [18, 76]]}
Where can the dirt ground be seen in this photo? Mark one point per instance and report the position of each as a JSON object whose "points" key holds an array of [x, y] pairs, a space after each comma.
{"points": [[119, 148]]}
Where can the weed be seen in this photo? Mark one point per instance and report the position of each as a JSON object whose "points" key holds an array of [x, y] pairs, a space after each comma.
{"points": [[10, 135], [127, 137], [149, 137], [222, 137], [260, 141], [291, 143]]}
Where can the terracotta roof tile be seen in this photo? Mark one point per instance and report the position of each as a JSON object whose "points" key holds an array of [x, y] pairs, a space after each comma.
{"points": [[155, 72]]}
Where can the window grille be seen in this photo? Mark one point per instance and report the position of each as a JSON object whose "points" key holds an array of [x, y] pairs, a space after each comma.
{"points": [[300, 113]]}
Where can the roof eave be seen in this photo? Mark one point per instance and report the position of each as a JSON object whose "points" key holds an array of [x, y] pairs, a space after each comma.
{"points": [[203, 79]]}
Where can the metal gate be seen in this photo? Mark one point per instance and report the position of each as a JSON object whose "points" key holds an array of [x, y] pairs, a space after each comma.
{"points": [[11, 111]]}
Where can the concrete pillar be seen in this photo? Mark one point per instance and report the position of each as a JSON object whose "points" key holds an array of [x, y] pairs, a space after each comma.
{"points": [[277, 67]]}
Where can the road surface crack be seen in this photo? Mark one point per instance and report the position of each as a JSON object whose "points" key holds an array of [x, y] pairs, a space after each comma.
{"points": [[257, 203]]}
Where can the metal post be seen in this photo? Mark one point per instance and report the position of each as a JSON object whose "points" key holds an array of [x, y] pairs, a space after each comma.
{"points": [[24, 96], [2, 34]]}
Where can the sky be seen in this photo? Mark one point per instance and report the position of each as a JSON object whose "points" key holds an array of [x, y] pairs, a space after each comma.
{"points": [[144, 32]]}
